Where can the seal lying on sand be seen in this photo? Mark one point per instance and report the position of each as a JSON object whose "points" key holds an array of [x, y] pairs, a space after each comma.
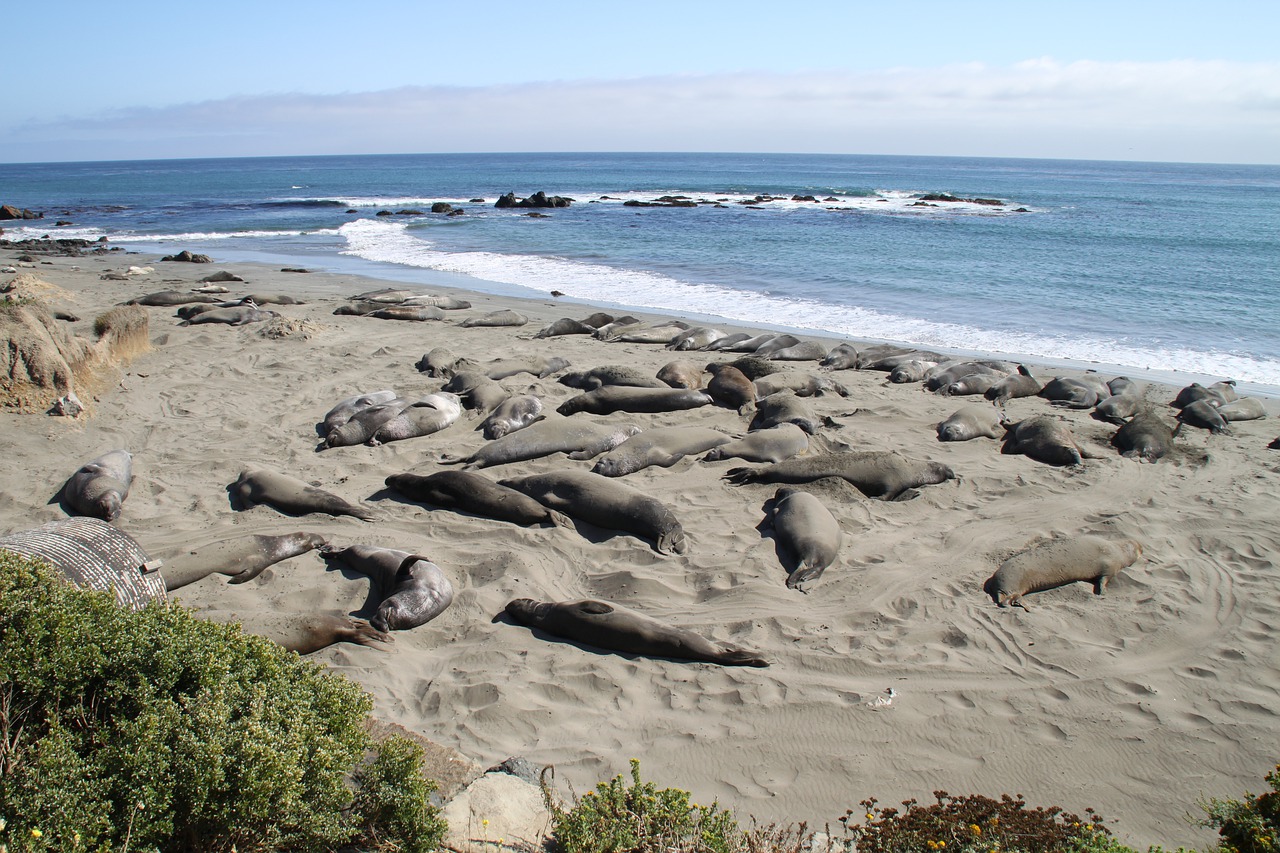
{"points": [[98, 488], [680, 374], [580, 439], [513, 413], [1146, 437], [361, 426], [241, 315], [605, 503], [289, 495], [807, 533], [875, 473], [504, 317], [784, 407], [350, 407], [478, 392], [1217, 394], [468, 491], [540, 366], [414, 590], [242, 559], [1044, 438], [613, 628], [303, 633], [624, 398], [663, 446], [609, 374], [764, 445], [1059, 562], [429, 415], [969, 422]]}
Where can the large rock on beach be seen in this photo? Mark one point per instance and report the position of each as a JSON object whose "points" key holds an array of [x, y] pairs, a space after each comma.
{"points": [[538, 199], [189, 257], [8, 211]]}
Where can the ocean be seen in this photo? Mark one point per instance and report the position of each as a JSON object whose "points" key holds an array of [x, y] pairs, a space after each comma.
{"points": [[1167, 270]]}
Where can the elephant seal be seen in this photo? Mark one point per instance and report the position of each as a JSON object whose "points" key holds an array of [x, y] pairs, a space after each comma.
{"points": [[764, 445], [698, 337], [540, 366], [242, 559], [580, 439], [969, 422], [775, 344], [1014, 387], [169, 298], [944, 375], [361, 426], [1083, 393], [358, 309], [598, 319], [750, 344], [495, 319], [414, 313], [513, 413], [802, 351], [727, 341], [414, 590], [876, 473], [1242, 409], [973, 383], [1044, 438], [663, 446], [385, 296], [239, 316], [98, 488], [807, 533], [609, 374], [755, 366], [784, 407], [478, 391], [1146, 437], [350, 407], [431, 414], [303, 633], [564, 326], [290, 495], [444, 303], [608, 330], [605, 503], [1208, 414], [477, 494], [1217, 394], [623, 398], [663, 334], [910, 371], [887, 357], [841, 357], [1059, 562], [799, 382], [681, 374], [616, 629], [730, 387], [440, 363], [1118, 408]]}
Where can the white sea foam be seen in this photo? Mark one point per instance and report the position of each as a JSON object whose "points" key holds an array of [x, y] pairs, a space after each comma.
{"points": [[392, 243], [71, 233]]}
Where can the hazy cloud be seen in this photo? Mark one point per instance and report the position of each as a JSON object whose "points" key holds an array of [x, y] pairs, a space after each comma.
{"points": [[1190, 110]]}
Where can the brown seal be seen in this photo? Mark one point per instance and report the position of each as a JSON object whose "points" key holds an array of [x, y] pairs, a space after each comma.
{"points": [[579, 438], [807, 534], [242, 559], [98, 488], [662, 446], [764, 445], [730, 387], [681, 374], [609, 374], [969, 422], [290, 495], [1146, 437], [1059, 562], [468, 491], [605, 503], [303, 633], [876, 473], [1044, 438], [624, 398], [609, 627], [413, 589]]}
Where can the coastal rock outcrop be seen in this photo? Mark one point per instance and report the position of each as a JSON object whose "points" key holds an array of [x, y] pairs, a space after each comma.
{"points": [[8, 211], [538, 199], [189, 257]]}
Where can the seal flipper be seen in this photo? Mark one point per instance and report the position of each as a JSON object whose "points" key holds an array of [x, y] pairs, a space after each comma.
{"points": [[739, 657], [595, 608]]}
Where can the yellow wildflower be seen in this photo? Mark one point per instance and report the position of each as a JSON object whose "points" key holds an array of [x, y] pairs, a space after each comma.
{"points": [[35, 833], [975, 829]]}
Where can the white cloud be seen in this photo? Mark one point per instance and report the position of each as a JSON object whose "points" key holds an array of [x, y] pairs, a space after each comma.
{"points": [[1180, 110]]}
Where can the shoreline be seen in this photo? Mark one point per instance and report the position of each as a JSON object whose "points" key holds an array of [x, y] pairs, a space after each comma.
{"points": [[1138, 703]]}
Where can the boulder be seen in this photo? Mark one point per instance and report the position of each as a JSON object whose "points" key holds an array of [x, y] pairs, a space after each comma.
{"points": [[538, 199], [188, 257], [8, 211], [441, 207]]}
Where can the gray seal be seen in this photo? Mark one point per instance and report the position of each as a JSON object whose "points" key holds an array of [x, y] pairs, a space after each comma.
{"points": [[1208, 414], [802, 351], [750, 344], [775, 344], [1217, 393], [699, 337], [784, 407], [1146, 437], [565, 326], [727, 341], [98, 488], [876, 473], [622, 398], [613, 628], [755, 366], [290, 495], [495, 319], [941, 376], [429, 415], [444, 303], [440, 363], [361, 426], [478, 391], [1083, 393], [663, 447], [609, 374], [413, 589], [241, 315], [605, 503], [663, 334], [242, 559], [973, 383], [1044, 438], [841, 357], [169, 298], [1015, 386], [764, 445], [799, 382], [1059, 562], [730, 387], [351, 406], [681, 374], [579, 438], [513, 413], [412, 313], [807, 534], [970, 422], [539, 365], [468, 491]]}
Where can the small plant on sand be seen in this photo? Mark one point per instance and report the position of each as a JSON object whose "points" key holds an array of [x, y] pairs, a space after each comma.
{"points": [[639, 818], [393, 800], [976, 824], [1251, 825]]}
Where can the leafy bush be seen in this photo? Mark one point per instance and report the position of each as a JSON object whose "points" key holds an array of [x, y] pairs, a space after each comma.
{"points": [[154, 729], [976, 823], [393, 800], [1251, 825], [639, 818]]}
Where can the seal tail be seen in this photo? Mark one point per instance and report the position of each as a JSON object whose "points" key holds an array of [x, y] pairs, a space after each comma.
{"points": [[559, 519], [738, 476], [741, 657]]}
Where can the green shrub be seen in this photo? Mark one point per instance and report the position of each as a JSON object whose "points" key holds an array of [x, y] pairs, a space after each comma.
{"points": [[977, 824], [1251, 825], [393, 800], [153, 729], [639, 818]]}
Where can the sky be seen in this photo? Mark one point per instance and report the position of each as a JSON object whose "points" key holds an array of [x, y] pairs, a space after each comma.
{"points": [[1113, 80]]}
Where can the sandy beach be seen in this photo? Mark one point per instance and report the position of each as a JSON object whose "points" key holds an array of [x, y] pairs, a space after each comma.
{"points": [[1139, 703]]}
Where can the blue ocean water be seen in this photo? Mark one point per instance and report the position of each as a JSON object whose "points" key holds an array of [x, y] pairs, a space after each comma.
{"points": [[1171, 268]]}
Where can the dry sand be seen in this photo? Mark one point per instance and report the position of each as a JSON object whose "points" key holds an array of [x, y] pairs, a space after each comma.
{"points": [[1139, 703]]}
